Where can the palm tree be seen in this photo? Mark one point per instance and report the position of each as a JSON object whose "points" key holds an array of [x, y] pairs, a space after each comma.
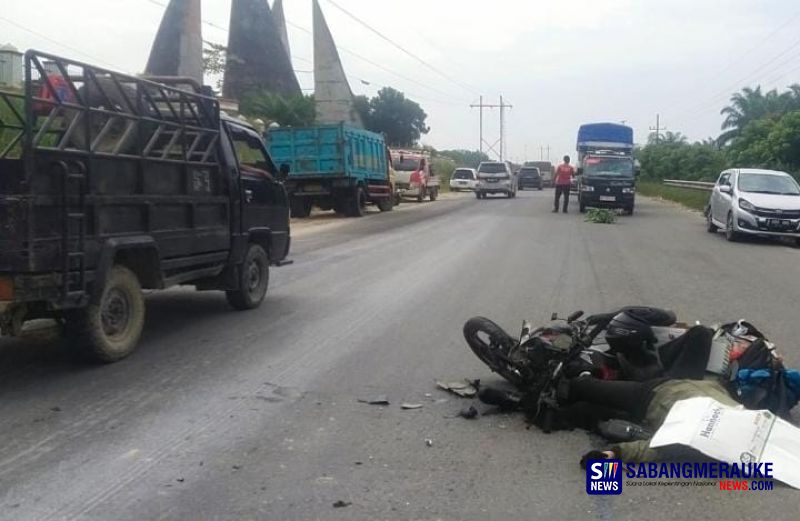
{"points": [[751, 104]]}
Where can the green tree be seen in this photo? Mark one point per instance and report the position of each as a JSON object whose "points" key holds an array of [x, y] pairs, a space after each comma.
{"points": [[214, 56], [466, 158], [400, 119], [769, 143], [286, 111]]}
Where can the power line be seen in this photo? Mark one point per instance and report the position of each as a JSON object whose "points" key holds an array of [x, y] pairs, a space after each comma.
{"points": [[60, 44], [376, 64], [401, 48], [722, 94], [305, 60]]}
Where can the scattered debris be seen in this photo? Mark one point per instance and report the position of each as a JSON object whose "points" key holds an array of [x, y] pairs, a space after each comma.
{"points": [[55, 409], [429, 443], [180, 480], [465, 389], [600, 215], [358, 463], [411, 406], [379, 399], [342, 504], [469, 413], [236, 467]]}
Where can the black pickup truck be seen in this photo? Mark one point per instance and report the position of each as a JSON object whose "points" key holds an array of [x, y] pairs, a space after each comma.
{"points": [[110, 184]]}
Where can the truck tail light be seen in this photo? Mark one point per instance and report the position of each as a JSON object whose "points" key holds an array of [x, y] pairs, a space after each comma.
{"points": [[415, 178]]}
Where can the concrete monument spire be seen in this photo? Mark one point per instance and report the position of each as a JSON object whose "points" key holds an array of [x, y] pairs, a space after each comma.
{"points": [[280, 23], [178, 47], [332, 93], [256, 59]]}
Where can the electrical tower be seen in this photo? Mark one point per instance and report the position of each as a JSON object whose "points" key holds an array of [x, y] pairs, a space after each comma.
{"points": [[498, 147], [658, 128]]}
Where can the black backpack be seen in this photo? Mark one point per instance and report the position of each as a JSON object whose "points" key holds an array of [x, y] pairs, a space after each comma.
{"points": [[758, 378]]}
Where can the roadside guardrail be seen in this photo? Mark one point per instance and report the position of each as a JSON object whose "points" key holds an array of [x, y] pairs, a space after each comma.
{"points": [[694, 185]]}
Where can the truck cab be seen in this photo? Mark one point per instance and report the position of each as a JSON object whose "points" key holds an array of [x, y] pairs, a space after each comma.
{"points": [[111, 184], [607, 180], [415, 176], [606, 168]]}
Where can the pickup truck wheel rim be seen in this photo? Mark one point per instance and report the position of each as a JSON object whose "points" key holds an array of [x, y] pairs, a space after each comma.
{"points": [[115, 313], [253, 277]]}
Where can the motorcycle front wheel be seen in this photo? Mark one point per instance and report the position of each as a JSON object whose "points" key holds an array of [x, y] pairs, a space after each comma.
{"points": [[492, 344]]}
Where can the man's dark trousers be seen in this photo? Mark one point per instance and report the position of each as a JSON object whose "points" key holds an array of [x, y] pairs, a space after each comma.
{"points": [[562, 189]]}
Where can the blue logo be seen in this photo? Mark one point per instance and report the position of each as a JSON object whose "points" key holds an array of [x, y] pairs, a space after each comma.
{"points": [[604, 477]]}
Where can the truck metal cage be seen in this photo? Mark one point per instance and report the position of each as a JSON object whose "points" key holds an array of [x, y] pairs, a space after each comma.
{"points": [[87, 154], [69, 106]]}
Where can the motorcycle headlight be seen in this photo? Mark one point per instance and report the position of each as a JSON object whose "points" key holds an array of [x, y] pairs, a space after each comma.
{"points": [[746, 205], [587, 188]]}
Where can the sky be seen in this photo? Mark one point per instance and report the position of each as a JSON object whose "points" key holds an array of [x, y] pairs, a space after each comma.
{"points": [[559, 63]]}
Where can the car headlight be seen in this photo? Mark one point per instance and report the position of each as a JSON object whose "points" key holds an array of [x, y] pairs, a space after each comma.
{"points": [[746, 205], [587, 188], [629, 190]]}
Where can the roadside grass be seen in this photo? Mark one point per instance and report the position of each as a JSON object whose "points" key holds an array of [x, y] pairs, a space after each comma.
{"points": [[694, 199]]}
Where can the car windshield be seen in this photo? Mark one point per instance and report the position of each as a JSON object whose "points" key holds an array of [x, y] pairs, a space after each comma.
{"points": [[462, 174], [608, 166], [492, 168], [406, 164], [529, 172], [768, 184]]}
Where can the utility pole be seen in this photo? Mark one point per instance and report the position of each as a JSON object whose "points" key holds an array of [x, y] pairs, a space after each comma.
{"points": [[502, 106], [658, 128]]}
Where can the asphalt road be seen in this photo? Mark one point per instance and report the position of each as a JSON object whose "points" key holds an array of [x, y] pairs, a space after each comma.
{"points": [[227, 415]]}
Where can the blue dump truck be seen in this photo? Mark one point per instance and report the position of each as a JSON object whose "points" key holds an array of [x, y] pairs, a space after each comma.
{"points": [[606, 168], [333, 167]]}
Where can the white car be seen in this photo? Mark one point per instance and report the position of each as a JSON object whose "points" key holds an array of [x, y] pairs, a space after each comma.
{"points": [[463, 179], [750, 201]]}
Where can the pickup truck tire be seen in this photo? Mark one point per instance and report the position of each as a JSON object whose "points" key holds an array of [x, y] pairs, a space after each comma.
{"points": [[109, 330], [253, 280], [300, 207], [385, 205], [434, 193]]}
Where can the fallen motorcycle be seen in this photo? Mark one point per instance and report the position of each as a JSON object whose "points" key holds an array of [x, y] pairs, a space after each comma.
{"points": [[528, 360], [536, 361]]}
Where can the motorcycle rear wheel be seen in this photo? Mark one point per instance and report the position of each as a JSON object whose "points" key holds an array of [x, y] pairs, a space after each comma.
{"points": [[492, 344]]}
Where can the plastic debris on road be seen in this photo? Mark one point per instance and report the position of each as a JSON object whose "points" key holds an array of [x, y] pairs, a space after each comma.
{"points": [[465, 389], [380, 399]]}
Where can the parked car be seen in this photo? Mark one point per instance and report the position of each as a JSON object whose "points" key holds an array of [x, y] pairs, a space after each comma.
{"points": [[463, 179], [495, 177], [529, 176], [755, 202]]}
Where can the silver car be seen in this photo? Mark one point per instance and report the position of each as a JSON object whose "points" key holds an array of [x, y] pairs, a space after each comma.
{"points": [[496, 177], [755, 202]]}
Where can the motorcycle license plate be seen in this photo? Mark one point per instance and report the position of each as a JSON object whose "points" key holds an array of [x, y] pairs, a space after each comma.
{"points": [[608, 198]]}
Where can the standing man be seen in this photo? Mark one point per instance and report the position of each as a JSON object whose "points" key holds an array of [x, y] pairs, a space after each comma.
{"points": [[563, 180]]}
